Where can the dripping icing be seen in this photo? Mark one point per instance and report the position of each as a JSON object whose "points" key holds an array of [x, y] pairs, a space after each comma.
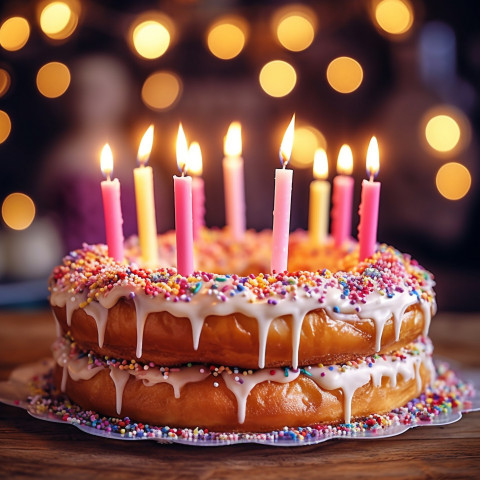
{"points": [[120, 379]]}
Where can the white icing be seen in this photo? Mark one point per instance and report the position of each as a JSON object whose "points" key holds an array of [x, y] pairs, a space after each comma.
{"points": [[143, 309], [333, 378], [351, 379], [242, 387], [296, 331], [177, 379], [120, 379], [100, 315], [427, 315], [76, 368], [58, 328]]}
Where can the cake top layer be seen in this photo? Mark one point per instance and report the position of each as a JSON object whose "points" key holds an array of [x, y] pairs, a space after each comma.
{"points": [[89, 271]]}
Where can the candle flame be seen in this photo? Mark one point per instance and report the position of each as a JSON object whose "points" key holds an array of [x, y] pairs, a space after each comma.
{"points": [[182, 151], [106, 160], [195, 164], [345, 160], [287, 143], [320, 164], [373, 159], [232, 146], [145, 147]]}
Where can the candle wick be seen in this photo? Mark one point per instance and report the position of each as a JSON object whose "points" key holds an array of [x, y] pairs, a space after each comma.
{"points": [[372, 177], [108, 176]]}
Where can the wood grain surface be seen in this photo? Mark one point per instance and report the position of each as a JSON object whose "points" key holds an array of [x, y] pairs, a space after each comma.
{"points": [[30, 448]]}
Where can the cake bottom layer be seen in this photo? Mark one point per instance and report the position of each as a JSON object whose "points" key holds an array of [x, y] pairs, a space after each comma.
{"points": [[233, 400]]}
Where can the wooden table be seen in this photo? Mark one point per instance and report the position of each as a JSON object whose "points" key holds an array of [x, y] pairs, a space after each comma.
{"points": [[36, 449]]}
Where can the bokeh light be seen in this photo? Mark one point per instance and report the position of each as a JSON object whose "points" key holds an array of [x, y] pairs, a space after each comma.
{"points": [[226, 37], [151, 35], [53, 79], [344, 74], [296, 30], [5, 126], [445, 130], [278, 78], [59, 19], [453, 181], [442, 133], [394, 16], [18, 211], [161, 90], [294, 27], [5, 82], [14, 33], [307, 140]]}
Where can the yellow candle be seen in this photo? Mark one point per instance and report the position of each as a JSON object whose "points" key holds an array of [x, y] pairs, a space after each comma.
{"points": [[319, 199], [147, 225]]}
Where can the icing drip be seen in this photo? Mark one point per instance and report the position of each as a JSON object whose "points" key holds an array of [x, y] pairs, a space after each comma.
{"points": [[177, 379], [197, 326], [350, 380], [120, 379], [296, 331], [142, 311], [60, 355], [71, 305], [58, 328], [427, 315], [242, 387], [263, 328], [100, 315], [77, 368]]}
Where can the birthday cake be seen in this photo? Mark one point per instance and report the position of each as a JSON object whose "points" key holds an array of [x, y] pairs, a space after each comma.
{"points": [[233, 348]]}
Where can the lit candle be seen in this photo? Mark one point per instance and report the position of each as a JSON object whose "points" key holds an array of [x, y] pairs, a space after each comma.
{"points": [[195, 167], [319, 199], [342, 197], [147, 224], [234, 181], [111, 206], [367, 229], [183, 209], [283, 199]]}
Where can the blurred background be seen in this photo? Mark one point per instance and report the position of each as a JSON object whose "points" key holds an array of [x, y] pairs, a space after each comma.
{"points": [[77, 74]]}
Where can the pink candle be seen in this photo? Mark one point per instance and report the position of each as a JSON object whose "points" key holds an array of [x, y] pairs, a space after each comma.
{"points": [[195, 167], [342, 198], [233, 178], [367, 229], [111, 207], [183, 209], [283, 198]]}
